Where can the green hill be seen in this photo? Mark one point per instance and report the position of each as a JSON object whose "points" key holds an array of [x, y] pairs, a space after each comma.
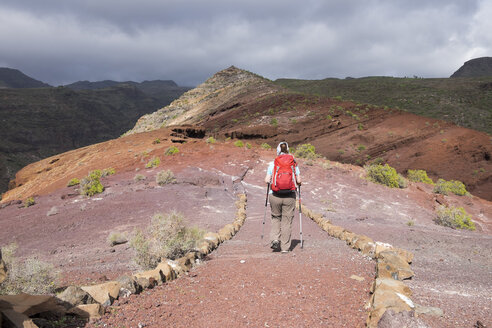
{"points": [[466, 102], [13, 78]]}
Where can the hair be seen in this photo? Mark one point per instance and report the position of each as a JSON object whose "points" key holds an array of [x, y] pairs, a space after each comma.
{"points": [[283, 148]]}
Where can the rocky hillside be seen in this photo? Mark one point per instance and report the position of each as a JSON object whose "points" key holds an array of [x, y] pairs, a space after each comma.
{"points": [[475, 68], [12, 78], [238, 104]]}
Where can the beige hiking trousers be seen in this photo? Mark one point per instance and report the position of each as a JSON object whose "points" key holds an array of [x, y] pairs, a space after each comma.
{"points": [[282, 215]]}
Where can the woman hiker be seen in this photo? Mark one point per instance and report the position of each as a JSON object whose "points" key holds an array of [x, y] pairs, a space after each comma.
{"points": [[282, 174]]}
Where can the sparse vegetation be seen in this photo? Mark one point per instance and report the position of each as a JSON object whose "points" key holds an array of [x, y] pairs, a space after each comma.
{"points": [[248, 145], [108, 171], [238, 143], [454, 217], [266, 146], [138, 177], [91, 184], [419, 176], [165, 177], [29, 202], [274, 122], [385, 175], [31, 276], [171, 151], [410, 223], [453, 186], [73, 182], [154, 162], [156, 141], [117, 238], [306, 151], [167, 237], [210, 140]]}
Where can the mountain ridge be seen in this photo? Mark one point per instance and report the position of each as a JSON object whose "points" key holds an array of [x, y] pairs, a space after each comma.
{"points": [[476, 67], [14, 78]]}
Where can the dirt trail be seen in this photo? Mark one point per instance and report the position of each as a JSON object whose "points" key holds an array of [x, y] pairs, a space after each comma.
{"points": [[244, 283]]}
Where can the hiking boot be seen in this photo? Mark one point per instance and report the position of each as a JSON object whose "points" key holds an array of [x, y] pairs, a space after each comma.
{"points": [[275, 245]]}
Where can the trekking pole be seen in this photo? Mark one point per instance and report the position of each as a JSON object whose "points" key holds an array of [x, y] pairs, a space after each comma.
{"points": [[264, 216], [300, 218]]}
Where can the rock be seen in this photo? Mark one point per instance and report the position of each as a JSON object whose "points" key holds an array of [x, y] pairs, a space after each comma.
{"points": [[91, 311], [146, 283], [391, 265], [184, 263], [52, 211], [15, 319], [166, 271], [428, 310], [104, 293], [212, 238], [151, 276], [74, 296], [31, 304], [405, 319], [358, 278], [130, 284], [3, 269]]}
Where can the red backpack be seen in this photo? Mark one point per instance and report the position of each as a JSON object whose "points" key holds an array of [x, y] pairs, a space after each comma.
{"points": [[283, 172]]}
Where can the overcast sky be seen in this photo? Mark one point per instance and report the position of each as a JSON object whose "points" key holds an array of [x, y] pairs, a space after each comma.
{"points": [[63, 41]]}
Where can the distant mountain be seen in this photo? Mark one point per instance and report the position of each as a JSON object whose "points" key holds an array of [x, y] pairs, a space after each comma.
{"points": [[13, 78], [477, 67]]}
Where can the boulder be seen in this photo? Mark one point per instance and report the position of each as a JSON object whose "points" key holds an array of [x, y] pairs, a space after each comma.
{"points": [[184, 263], [31, 304], [212, 238], [15, 319], [167, 271], [104, 293], [428, 310], [74, 296], [348, 237], [391, 265], [90, 311], [128, 285], [154, 274]]}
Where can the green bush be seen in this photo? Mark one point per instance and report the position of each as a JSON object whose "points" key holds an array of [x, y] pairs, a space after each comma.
{"points": [[156, 141], [266, 146], [167, 237], [165, 177], [31, 276], [138, 177], [210, 140], [73, 182], [108, 171], [454, 217], [239, 143], [385, 175], [274, 122], [306, 151], [171, 151], [154, 162], [453, 186], [248, 145], [29, 202], [91, 184], [419, 176]]}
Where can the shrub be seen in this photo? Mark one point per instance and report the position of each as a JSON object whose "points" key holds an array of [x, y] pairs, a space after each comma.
{"points": [[154, 162], [361, 148], [167, 237], [239, 143], [156, 141], [171, 151], [210, 140], [108, 171], [266, 146], [385, 175], [248, 145], [29, 202], [91, 184], [306, 151], [360, 127], [454, 217], [165, 177], [31, 276], [453, 186], [138, 177], [73, 182], [274, 122], [419, 176]]}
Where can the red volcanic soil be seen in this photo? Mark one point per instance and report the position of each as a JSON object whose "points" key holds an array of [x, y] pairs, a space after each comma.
{"points": [[243, 282]]}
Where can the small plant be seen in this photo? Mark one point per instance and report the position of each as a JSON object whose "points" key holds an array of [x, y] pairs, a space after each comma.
{"points": [[165, 177], [453, 186], [271, 111], [385, 175], [274, 122], [378, 160], [454, 217], [341, 151], [419, 176], [138, 177], [248, 145], [410, 223], [306, 151], [329, 117], [266, 146], [167, 237], [171, 151], [234, 120], [361, 148], [156, 141], [29, 202], [210, 140], [73, 182], [108, 171], [91, 184], [117, 238], [154, 162], [360, 127], [31, 276], [239, 143]]}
